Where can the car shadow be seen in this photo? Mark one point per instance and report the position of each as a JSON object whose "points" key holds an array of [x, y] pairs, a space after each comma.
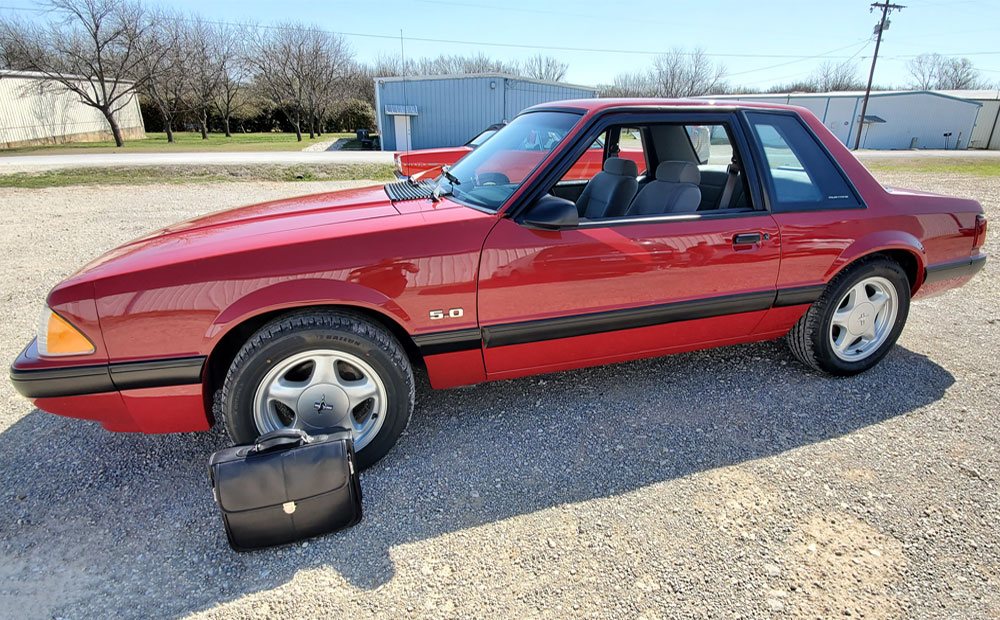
{"points": [[130, 518]]}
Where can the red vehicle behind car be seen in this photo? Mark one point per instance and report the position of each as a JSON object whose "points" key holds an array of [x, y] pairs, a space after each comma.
{"points": [[427, 163], [726, 223]]}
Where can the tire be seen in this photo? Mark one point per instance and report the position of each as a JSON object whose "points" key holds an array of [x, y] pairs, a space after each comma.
{"points": [[818, 339], [289, 355]]}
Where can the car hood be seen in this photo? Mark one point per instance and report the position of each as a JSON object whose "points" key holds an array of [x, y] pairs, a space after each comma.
{"points": [[426, 154], [234, 229]]}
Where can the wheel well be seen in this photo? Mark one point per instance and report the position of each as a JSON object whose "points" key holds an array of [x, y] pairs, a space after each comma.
{"points": [[908, 261], [229, 345]]}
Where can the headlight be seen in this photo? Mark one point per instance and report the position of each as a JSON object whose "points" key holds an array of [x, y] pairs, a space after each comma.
{"points": [[56, 337]]}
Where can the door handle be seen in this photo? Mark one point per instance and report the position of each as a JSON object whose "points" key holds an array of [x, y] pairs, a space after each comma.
{"points": [[746, 239]]}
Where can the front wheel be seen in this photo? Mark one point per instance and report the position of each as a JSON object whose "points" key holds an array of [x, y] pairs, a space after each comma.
{"points": [[317, 371], [856, 320]]}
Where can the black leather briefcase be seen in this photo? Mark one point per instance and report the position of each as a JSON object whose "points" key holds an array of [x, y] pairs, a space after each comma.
{"points": [[286, 487]]}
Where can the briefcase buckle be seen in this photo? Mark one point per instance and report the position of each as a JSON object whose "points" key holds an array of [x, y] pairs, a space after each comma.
{"points": [[288, 507]]}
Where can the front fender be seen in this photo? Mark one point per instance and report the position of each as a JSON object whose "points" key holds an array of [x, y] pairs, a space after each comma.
{"points": [[299, 293]]}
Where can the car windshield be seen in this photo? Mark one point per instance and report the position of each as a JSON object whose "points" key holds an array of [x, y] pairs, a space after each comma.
{"points": [[482, 137], [487, 176]]}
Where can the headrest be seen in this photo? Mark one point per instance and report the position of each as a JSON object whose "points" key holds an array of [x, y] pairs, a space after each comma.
{"points": [[621, 167], [678, 172]]}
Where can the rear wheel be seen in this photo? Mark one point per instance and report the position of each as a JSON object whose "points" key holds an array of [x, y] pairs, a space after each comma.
{"points": [[317, 371], [856, 320]]}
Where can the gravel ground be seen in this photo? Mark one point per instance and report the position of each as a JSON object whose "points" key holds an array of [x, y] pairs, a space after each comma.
{"points": [[725, 483]]}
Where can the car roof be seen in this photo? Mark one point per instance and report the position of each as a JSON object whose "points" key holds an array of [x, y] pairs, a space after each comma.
{"points": [[601, 104]]}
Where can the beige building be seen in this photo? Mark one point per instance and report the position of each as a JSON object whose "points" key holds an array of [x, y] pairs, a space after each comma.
{"points": [[33, 112]]}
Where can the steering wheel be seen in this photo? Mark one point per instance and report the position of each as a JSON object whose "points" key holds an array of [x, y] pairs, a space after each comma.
{"points": [[492, 178]]}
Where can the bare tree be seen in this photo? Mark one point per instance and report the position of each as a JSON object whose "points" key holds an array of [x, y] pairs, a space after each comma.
{"points": [[831, 76], [545, 68], [328, 58], [88, 48], [233, 67], [959, 74], [278, 57], [687, 74], [163, 68], [639, 84], [297, 67], [924, 70], [205, 69], [934, 71]]}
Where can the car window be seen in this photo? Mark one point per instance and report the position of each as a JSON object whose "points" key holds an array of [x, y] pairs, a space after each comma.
{"points": [[715, 185], [491, 173], [483, 137], [800, 174], [710, 143]]}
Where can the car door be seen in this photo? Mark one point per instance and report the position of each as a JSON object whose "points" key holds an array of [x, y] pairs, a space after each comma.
{"points": [[623, 288]]}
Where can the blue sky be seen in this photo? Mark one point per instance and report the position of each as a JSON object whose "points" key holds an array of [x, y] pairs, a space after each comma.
{"points": [[761, 43]]}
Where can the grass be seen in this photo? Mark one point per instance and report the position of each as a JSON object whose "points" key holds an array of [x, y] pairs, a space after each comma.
{"points": [[956, 165], [184, 142], [196, 174]]}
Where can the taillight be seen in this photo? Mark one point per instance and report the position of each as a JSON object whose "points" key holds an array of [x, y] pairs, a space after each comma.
{"points": [[980, 237]]}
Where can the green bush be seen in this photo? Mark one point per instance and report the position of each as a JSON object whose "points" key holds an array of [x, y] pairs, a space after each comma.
{"points": [[355, 114]]}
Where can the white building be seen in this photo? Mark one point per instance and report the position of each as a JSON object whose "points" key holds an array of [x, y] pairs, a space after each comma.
{"points": [[986, 133], [33, 112], [898, 119]]}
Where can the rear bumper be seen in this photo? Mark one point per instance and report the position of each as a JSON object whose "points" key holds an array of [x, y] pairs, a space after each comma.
{"points": [[965, 268]]}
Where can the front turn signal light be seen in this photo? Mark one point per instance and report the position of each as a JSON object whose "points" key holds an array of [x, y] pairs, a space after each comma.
{"points": [[56, 337]]}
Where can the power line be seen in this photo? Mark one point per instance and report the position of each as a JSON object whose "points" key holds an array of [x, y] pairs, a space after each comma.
{"points": [[394, 38], [879, 29]]}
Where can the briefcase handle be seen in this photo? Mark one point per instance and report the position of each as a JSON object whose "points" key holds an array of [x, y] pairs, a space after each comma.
{"points": [[281, 438]]}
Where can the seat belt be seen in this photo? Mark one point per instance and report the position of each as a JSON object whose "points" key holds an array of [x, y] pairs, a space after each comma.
{"points": [[732, 173]]}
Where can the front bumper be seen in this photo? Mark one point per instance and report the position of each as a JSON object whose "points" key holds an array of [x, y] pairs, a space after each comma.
{"points": [[33, 378], [154, 396]]}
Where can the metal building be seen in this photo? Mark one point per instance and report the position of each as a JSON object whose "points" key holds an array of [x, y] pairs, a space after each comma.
{"points": [[899, 119], [449, 110], [986, 133], [35, 112]]}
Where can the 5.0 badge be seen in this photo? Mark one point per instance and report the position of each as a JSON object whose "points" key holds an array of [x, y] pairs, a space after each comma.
{"points": [[454, 313]]}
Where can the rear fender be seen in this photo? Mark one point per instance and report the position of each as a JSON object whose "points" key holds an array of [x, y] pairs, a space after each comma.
{"points": [[881, 241]]}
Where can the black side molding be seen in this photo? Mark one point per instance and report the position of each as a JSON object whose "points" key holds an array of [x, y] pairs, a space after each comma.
{"points": [[449, 342], [798, 296], [157, 373], [956, 269], [614, 320]]}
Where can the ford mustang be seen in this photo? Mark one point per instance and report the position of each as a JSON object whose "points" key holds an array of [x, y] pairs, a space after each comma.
{"points": [[729, 223]]}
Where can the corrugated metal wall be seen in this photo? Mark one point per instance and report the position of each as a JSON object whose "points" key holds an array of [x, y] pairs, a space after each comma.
{"points": [[32, 112], [451, 111], [987, 127], [921, 115]]}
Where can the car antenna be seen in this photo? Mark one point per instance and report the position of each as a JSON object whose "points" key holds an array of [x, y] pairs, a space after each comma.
{"points": [[402, 59]]}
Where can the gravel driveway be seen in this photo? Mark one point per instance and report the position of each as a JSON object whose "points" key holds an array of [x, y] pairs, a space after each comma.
{"points": [[724, 483]]}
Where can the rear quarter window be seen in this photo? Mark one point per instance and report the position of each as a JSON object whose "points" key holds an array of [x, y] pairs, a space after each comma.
{"points": [[800, 175]]}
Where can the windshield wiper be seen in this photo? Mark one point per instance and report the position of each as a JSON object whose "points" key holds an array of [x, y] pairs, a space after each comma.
{"points": [[446, 173]]}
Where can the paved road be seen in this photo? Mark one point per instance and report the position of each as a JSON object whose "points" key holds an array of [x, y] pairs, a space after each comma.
{"points": [[34, 163]]}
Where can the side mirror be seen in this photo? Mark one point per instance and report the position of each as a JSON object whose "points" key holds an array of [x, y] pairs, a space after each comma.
{"points": [[552, 213]]}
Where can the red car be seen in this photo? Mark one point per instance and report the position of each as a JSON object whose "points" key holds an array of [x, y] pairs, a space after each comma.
{"points": [[427, 163], [756, 223]]}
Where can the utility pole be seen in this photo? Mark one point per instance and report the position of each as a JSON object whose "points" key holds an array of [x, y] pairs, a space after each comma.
{"points": [[882, 25]]}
